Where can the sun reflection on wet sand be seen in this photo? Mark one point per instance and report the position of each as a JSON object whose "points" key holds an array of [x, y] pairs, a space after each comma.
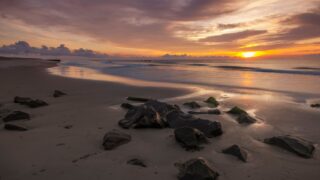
{"points": [[247, 78], [90, 74]]}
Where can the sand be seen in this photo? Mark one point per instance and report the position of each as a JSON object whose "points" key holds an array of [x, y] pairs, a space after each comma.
{"points": [[50, 151]]}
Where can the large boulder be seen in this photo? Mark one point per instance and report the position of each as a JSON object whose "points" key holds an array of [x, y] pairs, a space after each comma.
{"points": [[114, 139], [33, 103], [192, 105], [190, 138], [212, 102], [177, 119], [296, 145], [16, 115], [13, 127], [155, 114], [196, 169], [317, 105], [236, 151]]}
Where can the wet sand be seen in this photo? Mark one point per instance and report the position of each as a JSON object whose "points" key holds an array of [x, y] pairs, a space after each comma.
{"points": [[50, 151]]}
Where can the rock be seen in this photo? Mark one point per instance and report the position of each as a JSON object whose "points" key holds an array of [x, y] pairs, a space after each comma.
{"points": [[192, 105], [30, 102], [114, 139], [176, 119], [237, 111], [212, 111], [127, 106], [21, 100], [58, 93], [296, 145], [196, 169], [139, 99], [136, 162], [149, 115], [12, 127], [190, 138], [68, 126], [155, 114], [245, 119], [212, 102], [315, 105], [16, 115], [236, 151]]}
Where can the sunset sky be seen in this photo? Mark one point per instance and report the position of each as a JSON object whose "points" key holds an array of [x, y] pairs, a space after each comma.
{"points": [[157, 27]]}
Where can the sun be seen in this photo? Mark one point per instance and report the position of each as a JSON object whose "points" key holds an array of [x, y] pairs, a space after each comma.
{"points": [[248, 54]]}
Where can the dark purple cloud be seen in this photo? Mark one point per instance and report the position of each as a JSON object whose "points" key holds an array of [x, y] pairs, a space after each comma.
{"points": [[230, 37], [22, 47]]}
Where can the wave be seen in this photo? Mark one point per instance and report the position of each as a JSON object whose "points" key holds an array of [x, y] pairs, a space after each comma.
{"points": [[266, 70]]}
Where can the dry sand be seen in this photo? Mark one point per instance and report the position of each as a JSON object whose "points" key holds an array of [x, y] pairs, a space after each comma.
{"points": [[49, 151]]}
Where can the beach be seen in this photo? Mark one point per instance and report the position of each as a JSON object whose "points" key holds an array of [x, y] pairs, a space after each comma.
{"points": [[64, 139]]}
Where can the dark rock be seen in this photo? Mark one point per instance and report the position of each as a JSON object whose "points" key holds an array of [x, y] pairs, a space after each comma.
{"points": [[212, 102], [21, 100], [139, 99], [30, 102], [127, 106], [236, 151], [315, 105], [176, 119], [155, 114], [16, 115], [149, 115], [114, 139], [136, 162], [68, 126], [212, 111], [190, 138], [245, 119], [192, 105], [12, 127], [237, 111], [196, 169], [296, 145], [58, 93]]}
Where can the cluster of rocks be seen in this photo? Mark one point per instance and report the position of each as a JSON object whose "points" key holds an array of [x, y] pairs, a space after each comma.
{"points": [[20, 115], [191, 133]]}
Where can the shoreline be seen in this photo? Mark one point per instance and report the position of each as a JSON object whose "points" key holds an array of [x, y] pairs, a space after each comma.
{"points": [[49, 150]]}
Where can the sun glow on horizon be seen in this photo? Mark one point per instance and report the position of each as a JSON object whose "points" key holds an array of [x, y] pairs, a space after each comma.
{"points": [[249, 54]]}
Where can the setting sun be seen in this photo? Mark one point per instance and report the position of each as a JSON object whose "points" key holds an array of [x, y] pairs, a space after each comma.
{"points": [[248, 54]]}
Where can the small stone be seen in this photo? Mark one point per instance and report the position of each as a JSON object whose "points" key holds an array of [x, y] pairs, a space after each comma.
{"points": [[295, 145], [192, 105], [196, 169], [315, 105], [237, 111], [16, 115], [212, 102], [30, 102], [58, 93], [12, 127], [136, 162], [115, 138], [236, 151], [68, 126]]}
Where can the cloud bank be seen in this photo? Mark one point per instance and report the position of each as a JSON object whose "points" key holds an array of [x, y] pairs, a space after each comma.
{"points": [[23, 48]]}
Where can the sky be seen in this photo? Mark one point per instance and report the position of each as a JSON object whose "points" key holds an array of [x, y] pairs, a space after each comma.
{"points": [[161, 27]]}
